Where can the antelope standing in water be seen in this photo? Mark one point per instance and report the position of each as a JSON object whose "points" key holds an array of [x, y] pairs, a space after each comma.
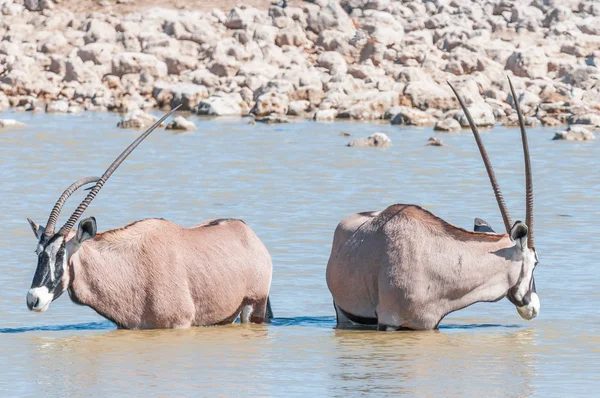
{"points": [[403, 267], [151, 273]]}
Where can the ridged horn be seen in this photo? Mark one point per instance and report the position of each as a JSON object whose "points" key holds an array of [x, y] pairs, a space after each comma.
{"points": [[49, 231], [528, 174], [111, 169], [487, 163]]}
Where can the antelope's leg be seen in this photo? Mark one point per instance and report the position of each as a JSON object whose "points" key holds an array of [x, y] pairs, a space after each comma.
{"points": [[258, 311], [342, 320]]}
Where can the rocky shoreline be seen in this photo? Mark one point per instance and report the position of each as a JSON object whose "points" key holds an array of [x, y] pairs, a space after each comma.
{"points": [[321, 59]]}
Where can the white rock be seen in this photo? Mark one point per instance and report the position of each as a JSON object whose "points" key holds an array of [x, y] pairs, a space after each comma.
{"points": [[428, 94], [447, 125], [5, 123], [60, 106], [326, 115], [575, 133], [298, 107], [187, 94], [181, 123], [137, 119], [531, 62], [379, 140], [412, 116], [128, 62], [223, 105], [482, 113], [271, 102]]}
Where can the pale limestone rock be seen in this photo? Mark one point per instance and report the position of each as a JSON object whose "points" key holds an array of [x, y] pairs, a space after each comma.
{"points": [[378, 140]]}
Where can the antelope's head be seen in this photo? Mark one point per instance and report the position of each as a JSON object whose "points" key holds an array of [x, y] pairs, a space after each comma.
{"points": [[522, 294], [55, 249]]}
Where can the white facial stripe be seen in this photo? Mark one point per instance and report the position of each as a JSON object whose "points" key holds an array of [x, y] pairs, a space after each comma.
{"points": [[529, 261]]}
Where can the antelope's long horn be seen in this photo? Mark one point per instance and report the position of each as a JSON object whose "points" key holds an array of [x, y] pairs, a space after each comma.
{"points": [[49, 231], [528, 174], [94, 191], [487, 163]]}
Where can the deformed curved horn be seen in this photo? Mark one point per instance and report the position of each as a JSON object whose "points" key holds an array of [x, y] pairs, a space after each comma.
{"points": [[49, 231], [487, 163], [94, 191], [528, 174]]}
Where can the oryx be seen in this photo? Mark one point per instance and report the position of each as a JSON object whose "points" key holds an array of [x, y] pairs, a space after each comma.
{"points": [[151, 273], [403, 267]]}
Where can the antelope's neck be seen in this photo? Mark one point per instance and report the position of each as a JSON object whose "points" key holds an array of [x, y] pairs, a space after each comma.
{"points": [[99, 279], [484, 274]]}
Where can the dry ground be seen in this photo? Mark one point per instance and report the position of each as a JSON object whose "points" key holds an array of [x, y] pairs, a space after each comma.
{"points": [[141, 5]]}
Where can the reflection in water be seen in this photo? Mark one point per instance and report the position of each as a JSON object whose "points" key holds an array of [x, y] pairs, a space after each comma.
{"points": [[303, 181], [434, 363]]}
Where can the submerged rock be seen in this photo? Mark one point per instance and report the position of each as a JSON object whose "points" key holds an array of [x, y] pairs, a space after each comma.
{"points": [[575, 133], [181, 123], [378, 140], [447, 125], [137, 119], [273, 118], [5, 123], [433, 141]]}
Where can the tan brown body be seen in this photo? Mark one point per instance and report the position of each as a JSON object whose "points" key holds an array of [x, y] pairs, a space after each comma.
{"points": [[157, 274], [406, 268]]}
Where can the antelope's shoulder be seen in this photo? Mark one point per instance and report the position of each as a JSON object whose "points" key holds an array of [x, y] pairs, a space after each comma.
{"points": [[221, 222], [146, 225]]}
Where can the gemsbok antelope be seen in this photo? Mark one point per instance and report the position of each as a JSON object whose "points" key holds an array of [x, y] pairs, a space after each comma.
{"points": [[405, 268], [152, 273]]}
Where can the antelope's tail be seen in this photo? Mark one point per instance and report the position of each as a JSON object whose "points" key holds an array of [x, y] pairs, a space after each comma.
{"points": [[269, 311]]}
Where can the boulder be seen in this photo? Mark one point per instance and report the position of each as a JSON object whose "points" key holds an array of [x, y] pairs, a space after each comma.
{"points": [[575, 133], [273, 119], [98, 53], [428, 94], [531, 62], [223, 105], [181, 123], [6, 123], [378, 140], [411, 116], [187, 95], [334, 62], [447, 125], [269, 103], [482, 113], [325, 115], [98, 31], [60, 106], [592, 119], [433, 141], [298, 107], [137, 119], [129, 62]]}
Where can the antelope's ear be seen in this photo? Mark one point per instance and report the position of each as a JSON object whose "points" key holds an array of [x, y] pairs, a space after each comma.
{"points": [[482, 226], [38, 230], [518, 233], [86, 230]]}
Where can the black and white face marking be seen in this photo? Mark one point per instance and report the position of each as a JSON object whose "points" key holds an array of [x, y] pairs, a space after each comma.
{"points": [[48, 281], [51, 277], [523, 295]]}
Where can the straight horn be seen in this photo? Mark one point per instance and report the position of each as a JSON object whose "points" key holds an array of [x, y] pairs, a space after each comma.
{"points": [[528, 174], [117, 162], [487, 163]]}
